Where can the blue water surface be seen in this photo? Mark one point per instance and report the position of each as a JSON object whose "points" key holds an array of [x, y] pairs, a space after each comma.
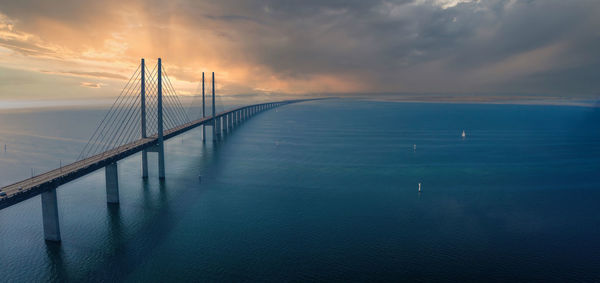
{"points": [[322, 190]]}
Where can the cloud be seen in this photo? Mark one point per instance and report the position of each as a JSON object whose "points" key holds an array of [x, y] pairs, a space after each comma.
{"points": [[102, 75], [311, 46], [91, 85]]}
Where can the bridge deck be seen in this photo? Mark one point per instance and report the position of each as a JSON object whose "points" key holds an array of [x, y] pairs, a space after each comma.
{"points": [[31, 187]]}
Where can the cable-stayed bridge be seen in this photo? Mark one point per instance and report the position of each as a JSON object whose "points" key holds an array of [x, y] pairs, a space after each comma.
{"points": [[146, 113]]}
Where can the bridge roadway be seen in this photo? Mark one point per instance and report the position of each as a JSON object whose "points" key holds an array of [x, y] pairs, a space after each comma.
{"points": [[36, 185]]}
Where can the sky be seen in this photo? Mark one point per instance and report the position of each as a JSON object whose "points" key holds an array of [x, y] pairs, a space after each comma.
{"points": [[80, 49]]}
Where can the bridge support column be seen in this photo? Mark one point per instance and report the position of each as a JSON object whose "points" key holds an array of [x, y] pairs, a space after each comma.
{"points": [[50, 216], [144, 163], [112, 183], [161, 160], [227, 123], [219, 122], [214, 126], [220, 127], [160, 142]]}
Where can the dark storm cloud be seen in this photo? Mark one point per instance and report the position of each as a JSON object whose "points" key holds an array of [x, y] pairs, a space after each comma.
{"points": [[391, 42]]}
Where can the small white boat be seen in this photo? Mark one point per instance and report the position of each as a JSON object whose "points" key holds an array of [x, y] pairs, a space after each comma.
{"points": [[419, 187], [463, 134]]}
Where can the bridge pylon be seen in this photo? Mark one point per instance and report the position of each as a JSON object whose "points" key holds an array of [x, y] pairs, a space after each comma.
{"points": [[143, 118], [203, 111], [160, 144], [215, 121]]}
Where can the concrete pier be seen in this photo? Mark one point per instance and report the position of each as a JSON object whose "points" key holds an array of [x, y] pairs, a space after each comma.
{"points": [[214, 126], [112, 183], [219, 130], [50, 216], [144, 163]]}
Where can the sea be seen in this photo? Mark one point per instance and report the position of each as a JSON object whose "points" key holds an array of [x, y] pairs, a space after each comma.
{"points": [[322, 190]]}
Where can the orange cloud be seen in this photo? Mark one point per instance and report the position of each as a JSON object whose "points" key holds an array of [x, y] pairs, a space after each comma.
{"points": [[91, 85]]}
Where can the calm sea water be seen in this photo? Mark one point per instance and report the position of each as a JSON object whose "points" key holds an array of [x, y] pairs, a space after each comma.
{"points": [[325, 191]]}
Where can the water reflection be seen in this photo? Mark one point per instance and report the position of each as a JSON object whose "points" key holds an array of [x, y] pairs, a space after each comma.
{"points": [[57, 268], [128, 247], [115, 227]]}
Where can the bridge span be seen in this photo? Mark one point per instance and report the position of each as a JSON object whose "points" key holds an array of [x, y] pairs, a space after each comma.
{"points": [[45, 184]]}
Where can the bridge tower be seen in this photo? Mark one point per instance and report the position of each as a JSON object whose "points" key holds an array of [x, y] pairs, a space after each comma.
{"points": [[203, 111], [143, 118], [159, 147], [160, 144], [214, 119]]}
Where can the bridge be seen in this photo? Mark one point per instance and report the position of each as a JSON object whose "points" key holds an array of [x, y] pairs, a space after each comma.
{"points": [[135, 123]]}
